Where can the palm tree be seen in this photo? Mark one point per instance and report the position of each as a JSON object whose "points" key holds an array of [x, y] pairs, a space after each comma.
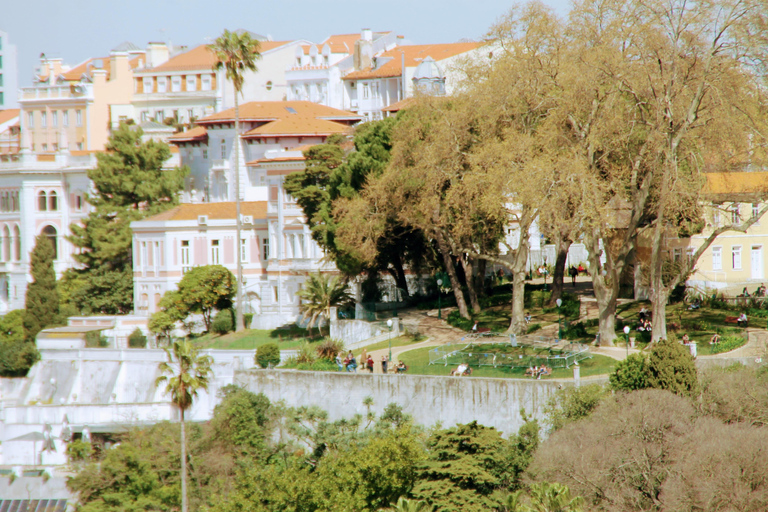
{"points": [[546, 497], [236, 53], [184, 374], [319, 295]]}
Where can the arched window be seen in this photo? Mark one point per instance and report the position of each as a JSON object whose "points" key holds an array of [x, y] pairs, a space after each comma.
{"points": [[50, 232], [3, 241], [53, 201], [42, 201], [7, 245], [4, 202], [17, 243]]}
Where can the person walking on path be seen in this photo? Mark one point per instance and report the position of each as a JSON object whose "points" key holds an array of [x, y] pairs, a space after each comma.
{"points": [[384, 364]]}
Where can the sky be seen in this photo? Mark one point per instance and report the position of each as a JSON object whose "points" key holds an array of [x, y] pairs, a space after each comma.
{"points": [[79, 29]]}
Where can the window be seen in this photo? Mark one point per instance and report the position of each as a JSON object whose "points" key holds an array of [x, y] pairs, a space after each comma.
{"points": [[43, 119], [162, 84], [205, 154], [191, 83], [2, 100], [677, 254], [756, 211], [243, 253], [717, 258], [17, 243], [50, 233], [79, 146], [55, 118], [186, 260], [735, 217], [190, 115], [736, 257], [65, 118], [53, 202], [45, 147], [42, 201], [1, 79], [366, 91], [269, 85], [159, 116], [223, 149], [215, 252], [78, 118], [147, 84], [7, 246], [31, 120], [265, 248], [175, 84], [206, 83], [78, 202]]}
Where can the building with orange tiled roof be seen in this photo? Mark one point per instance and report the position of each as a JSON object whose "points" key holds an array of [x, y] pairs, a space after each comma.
{"points": [[9, 78], [186, 88], [73, 108], [9, 131], [208, 148], [317, 70], [396, 74]]}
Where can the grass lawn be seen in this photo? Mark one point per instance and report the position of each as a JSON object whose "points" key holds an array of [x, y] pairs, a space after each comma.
{"points": [[400, 341], [249, 339], [418, 364]]}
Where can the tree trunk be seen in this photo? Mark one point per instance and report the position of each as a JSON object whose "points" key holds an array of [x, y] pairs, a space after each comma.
{"points": [[659, 301], [238, 250], [400, 280], [184, 506], [452, 275], [479, 267], [469, 274], [517, 323], [561, 247], [606, 289]]}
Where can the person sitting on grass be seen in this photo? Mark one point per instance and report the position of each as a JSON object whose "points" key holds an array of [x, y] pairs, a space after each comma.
{"points": [[401, 368], [543, 371], [715, 339]]}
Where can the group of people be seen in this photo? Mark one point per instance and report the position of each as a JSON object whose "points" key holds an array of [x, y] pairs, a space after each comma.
{"points": [[349, 363], [760, 292], [462, 370], [645, 325], [538, 371]]}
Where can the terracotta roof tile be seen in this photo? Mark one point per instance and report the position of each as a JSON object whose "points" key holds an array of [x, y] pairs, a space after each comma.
{"points": [[8, 114], [736, 183], [400, 105], [273, 110], [76, 73], [198, 133], [298, 125], [201, 58], [215, 211], [413, 56]]}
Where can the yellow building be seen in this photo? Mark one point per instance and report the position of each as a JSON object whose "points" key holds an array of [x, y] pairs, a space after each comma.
{"points": [[71, 108], [735, 259]]}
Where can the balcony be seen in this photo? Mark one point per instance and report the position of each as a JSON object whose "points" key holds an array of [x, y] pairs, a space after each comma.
{"points": [[56, 92], [220, 165]]}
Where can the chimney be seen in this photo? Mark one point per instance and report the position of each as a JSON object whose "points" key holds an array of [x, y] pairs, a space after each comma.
{"points": [[363, 50], [157, 53], [118, 65], [366, 34]]}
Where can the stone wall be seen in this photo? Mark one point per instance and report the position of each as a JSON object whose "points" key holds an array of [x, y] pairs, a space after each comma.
{"points": [[429, 399]]}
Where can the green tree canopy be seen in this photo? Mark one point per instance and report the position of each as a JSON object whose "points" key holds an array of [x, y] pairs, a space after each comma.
{"points": [[41, 307], [129, 183], [319, 294], [202, 290]]}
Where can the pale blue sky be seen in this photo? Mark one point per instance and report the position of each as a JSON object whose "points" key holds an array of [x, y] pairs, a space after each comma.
{"points": [[78, 29]]}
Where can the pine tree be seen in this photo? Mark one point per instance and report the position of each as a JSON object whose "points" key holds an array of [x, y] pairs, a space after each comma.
{"points": [[42, 301], [130, 184]]}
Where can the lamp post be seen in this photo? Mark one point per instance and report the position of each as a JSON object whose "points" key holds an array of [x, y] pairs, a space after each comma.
{"points": [[626, 333], [439, 303], [389, 324], [559, 303]]}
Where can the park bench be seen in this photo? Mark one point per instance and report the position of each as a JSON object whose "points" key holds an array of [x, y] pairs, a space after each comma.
{"points": [[734, 320]]}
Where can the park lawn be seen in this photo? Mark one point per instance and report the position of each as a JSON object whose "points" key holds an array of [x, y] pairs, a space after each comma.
{"points": [[418, 364], [248, 339], [400, 341]]}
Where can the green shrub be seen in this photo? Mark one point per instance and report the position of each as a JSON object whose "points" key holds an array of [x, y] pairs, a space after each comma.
{"points": [[321, 365], [455, 319], [539, 297], [79, 450], [575, 331], [728, 343], [247, 319], [630, 374], [328, 348], [223, 322], [267, 354], [137, 339], [306, 353], [572, 404], [94, 339], [17, 357], [671, 367]]}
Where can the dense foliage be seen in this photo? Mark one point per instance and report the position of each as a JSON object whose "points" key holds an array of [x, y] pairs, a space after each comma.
{"points": [[41, 307], [129, 184], [203, 289]]}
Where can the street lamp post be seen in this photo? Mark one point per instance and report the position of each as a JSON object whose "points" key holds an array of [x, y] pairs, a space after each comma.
{"points": [[389, 324], [559, 303], [439, 303], [626, 334]]}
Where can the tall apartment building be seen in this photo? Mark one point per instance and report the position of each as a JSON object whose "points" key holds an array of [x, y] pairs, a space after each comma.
{"points": [[9, 81]]}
